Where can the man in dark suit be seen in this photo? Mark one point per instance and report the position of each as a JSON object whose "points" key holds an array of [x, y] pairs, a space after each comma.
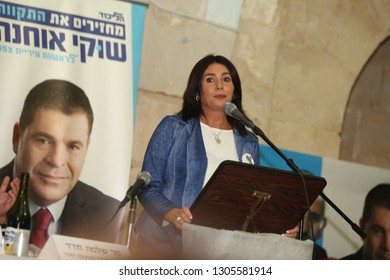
{"points": [[50, 142], [375, 222]]}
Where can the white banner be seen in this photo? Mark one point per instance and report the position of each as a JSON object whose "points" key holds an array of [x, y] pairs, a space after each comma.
{"points": [[89, 43]]}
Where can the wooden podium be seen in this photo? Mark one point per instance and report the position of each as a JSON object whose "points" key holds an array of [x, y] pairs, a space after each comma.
{"points": [[254, 199]]}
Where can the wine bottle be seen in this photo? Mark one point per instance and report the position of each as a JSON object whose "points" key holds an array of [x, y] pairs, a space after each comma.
{"points": [[17, 231]]}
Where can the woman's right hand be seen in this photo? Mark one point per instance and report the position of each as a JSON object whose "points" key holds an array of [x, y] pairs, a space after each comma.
{"points": [[178, 216]]}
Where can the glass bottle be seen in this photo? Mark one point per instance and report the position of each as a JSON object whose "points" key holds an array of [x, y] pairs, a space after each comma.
{"points": [[17, 232]]}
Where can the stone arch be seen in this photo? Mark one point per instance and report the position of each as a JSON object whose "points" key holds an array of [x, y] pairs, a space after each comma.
{"points": [[365, 135]]}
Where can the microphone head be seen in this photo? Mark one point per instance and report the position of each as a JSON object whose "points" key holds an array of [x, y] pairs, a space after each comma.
{"points": [[229, 108], [144, 176]]}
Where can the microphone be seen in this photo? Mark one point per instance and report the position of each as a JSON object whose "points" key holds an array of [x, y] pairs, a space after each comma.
{"points": [[232, 110], [143, 179]]}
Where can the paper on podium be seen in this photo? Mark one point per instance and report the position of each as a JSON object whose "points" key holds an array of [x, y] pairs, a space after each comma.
{"points": [[206, 243], [60, 247]]}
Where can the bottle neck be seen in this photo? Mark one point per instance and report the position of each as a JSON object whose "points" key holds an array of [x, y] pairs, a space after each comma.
{"points": [[19, 216]]}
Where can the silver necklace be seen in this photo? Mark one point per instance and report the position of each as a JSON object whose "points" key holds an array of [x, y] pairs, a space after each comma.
{"points": [[216, 135]]}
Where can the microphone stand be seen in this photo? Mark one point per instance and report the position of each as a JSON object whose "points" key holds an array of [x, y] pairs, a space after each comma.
{"points": [[354, 226], [143, 179], [131, 219], [291, 164]]}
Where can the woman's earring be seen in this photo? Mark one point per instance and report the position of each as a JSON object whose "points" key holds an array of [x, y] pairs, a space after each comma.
{"points": [[234, 97], [197, 98]]}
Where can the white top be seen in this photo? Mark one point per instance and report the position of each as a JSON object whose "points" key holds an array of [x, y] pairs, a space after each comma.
{"points": [[216, 153]]}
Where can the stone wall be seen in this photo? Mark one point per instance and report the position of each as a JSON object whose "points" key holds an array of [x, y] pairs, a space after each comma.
{"points": [[298, 61]]}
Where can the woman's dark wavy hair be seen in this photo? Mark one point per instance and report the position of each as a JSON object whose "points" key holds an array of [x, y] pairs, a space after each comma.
{"points": [[192, 108]]}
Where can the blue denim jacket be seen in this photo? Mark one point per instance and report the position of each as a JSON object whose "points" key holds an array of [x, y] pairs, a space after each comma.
{"points": [[176, 160]]}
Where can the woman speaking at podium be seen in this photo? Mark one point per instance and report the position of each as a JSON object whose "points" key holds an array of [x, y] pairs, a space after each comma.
{"points": [[184, 151]]}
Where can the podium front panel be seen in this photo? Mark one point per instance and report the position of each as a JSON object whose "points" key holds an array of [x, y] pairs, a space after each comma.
{"points": [[253, 198]]}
